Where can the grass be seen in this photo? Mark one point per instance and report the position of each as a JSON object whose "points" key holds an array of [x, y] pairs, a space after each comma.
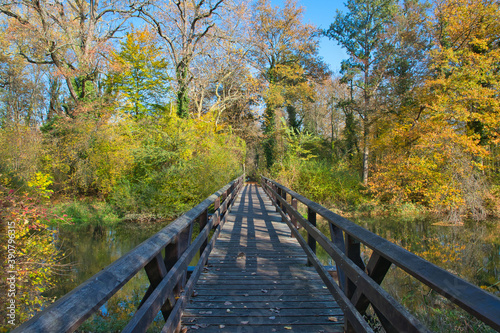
{"points": [[84, 213]]}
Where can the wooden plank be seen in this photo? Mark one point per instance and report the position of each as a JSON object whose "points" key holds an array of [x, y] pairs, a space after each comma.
{"points": [[256, 317], [259, 312], [379, 298], [296, 328], [70, 311], [471, 298], [299, 305], [255, 266]]}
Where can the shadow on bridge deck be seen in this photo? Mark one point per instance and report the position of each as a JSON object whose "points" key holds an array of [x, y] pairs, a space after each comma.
{"points": [[257, 280]]}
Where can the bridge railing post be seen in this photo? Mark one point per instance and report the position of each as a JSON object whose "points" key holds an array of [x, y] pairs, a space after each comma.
{"points": [[311, 241], [283, 207], [337, 237], [217, 216], [292, 216], [202, 222]]}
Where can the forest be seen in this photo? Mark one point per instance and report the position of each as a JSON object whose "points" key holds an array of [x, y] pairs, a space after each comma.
{"points": [[137, 110]]}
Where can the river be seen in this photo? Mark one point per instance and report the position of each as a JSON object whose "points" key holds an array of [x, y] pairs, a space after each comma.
{"points": [[471, 251]]}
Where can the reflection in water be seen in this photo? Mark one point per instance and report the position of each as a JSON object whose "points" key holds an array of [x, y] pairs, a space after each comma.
{"points": [[91, 250], [470, 251]]}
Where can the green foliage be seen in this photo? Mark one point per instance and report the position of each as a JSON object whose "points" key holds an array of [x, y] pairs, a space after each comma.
{"points": [[177, 163], [87, 154], [84, 213], [139, 76], [318, 178], [39, 183]]}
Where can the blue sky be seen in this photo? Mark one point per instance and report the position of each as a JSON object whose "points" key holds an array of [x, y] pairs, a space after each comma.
{"points": [[321, 14]]}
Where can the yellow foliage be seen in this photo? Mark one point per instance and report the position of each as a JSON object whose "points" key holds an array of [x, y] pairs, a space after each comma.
{"points": [[40, 182]]}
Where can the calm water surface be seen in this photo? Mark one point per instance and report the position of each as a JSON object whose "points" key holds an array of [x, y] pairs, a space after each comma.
{"points": [[471, 251], [90, 250]]}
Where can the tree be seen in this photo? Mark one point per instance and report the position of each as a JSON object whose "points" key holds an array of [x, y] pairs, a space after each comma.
{"points": [[362, 32], [444, 116], [22, 88], [183, 25], [71, 36], [224, 83], [139, 75], [465, 65], [284, 51]]}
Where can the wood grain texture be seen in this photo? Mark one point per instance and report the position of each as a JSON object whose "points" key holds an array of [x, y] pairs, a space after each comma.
{"points": [[469, 297], [257, 279]]}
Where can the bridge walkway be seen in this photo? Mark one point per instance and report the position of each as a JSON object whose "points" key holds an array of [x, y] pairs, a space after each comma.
{"points": [[257, 280]]}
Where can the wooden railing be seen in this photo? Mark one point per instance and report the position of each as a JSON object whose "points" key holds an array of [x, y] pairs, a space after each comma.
{"points": [[359, 285], [168, 291]]}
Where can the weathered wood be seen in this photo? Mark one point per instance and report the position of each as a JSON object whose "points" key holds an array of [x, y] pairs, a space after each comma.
{"points": [[250, 270], [311, 242], [173, 321], [350, 312], [379, 298], [156, 271], [292, 217], [377, 268], [145, 315], [479, 303], [353, 252], [202, 222], [337, 237], [70, 311]]}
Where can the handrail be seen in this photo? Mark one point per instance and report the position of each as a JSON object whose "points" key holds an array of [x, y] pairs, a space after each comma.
{"points": [[167, 274], [361, 284]]}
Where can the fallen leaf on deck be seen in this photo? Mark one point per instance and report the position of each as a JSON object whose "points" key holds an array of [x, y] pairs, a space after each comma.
{"points": [[333, 319], [288, 327], [272, 317], [244, 322], [227, 303]]}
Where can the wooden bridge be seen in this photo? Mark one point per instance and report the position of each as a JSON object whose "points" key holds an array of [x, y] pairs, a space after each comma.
{"points": [[252, 276]]}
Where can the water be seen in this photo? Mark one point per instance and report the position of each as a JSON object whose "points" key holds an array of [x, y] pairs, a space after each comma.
{"points": [[471, 251], [90, 250]]}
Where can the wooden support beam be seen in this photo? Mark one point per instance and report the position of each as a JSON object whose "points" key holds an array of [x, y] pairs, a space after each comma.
{"points": [[292, 216], [311, 242], [337, 237], [202, 222], [156, 271]]}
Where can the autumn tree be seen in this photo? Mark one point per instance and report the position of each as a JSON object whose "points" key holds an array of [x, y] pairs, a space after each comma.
{"points": [[445, 122], [362, 32], [22, 88], [224, 82], [139, 75], [183, 25], [70, 36], [284, 52], [465, 64]]}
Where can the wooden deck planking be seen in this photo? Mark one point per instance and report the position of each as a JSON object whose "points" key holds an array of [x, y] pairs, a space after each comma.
{"points": [[256, 279]]}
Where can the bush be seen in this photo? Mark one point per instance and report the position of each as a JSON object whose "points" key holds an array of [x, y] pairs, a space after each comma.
{"points": [[177, 164]]}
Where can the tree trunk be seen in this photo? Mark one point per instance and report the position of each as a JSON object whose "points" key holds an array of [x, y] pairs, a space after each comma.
{"points": [[182, 92], [366, 151]]}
